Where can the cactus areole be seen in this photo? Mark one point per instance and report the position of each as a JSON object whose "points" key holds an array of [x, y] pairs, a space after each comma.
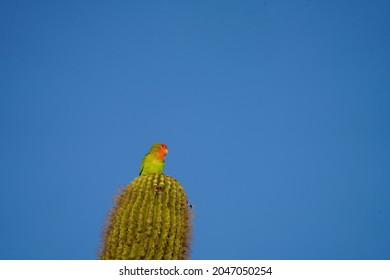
{"points": [[150, 220]]}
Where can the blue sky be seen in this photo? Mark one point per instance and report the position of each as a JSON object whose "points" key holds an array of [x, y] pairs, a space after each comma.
{"points": [[276, 115]]}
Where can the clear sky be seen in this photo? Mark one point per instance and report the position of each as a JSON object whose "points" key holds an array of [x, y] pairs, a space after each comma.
{"points": [[276, 115]]}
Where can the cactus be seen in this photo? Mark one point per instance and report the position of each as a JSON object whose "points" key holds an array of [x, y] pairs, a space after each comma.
{"points": [[150, 220]]}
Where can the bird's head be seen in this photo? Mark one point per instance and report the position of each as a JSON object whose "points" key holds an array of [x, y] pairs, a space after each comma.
{"points": [[160, 149]]}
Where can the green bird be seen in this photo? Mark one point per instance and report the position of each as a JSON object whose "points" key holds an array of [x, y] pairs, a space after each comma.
{"points": [[154, 161]]}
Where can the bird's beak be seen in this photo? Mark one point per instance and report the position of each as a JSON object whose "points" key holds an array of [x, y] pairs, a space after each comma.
{"points": [[166, 151]]}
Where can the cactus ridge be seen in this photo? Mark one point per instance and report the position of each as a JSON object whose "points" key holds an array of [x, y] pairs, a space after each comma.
{"points": [[150, 219]]}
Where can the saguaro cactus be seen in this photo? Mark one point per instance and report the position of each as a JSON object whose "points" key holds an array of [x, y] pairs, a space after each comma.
{"points": [[150, 220]]}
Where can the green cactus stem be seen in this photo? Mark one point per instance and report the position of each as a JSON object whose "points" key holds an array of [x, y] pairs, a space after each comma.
{"points": [[150, 220]]}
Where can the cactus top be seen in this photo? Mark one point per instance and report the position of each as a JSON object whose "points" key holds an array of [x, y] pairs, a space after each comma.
{"points": [[154, 161], [150, 220]]}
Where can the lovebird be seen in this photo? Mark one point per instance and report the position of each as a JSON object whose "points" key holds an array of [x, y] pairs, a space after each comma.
{"points": [[154, 161]]}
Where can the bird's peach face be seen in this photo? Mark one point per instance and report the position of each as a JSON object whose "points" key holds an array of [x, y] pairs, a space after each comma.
{"points": [[163, 150]]}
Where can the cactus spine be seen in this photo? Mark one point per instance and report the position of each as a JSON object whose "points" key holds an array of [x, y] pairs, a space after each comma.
{"points": [[150, 220]]}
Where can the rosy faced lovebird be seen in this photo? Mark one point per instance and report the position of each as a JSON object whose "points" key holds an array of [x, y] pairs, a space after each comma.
{"points": [[153, 162]]}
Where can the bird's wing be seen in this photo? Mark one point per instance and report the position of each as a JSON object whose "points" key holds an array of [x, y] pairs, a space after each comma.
{"points": [[143, 164]]}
